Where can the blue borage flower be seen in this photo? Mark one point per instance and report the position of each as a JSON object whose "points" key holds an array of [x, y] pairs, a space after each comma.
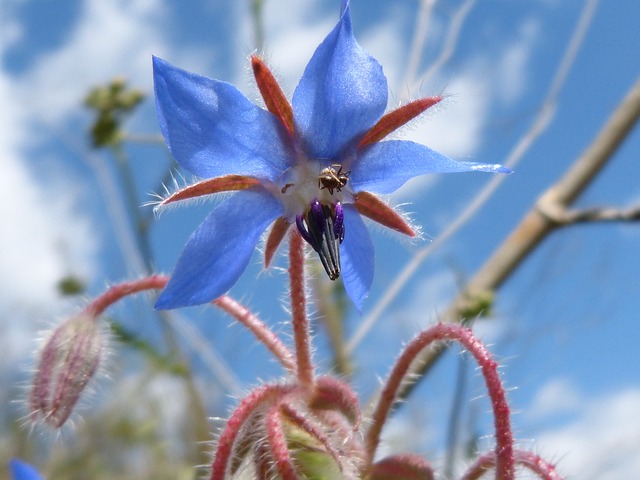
{"points": [[23, 471], [315, 163]]}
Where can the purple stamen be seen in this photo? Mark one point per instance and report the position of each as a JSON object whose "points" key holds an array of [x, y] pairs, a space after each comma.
{"points": [[338, 222], [317, 211], [322, 226], [303, 230]]}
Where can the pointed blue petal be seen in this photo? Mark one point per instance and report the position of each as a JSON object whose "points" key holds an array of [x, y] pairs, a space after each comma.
{"points": [[344, 4], [212, 129], [23, 471], [342, 93], [385, 166], [357, 257], [220, 249]]}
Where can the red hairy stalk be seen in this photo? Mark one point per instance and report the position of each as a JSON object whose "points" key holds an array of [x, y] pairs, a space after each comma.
{"points": [[264, 335], [372, 207], [272, 94], [529, 460], [241, 313], [227, 183], [262, 462], [331, 394], [397, 118], [278, 444], [277, 233], [248, 406], [299, 318], [302, 420], [489, 367], [117, 292], [406, 467]]}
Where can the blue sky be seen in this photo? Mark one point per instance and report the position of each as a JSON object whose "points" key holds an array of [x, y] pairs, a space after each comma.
{"points": [[566, 323]]}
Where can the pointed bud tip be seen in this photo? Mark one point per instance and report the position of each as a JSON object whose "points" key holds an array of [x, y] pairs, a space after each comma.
{"points": [[70, 357]]}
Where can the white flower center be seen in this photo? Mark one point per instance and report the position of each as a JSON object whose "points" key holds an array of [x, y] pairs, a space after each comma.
{"points": [[312, 180]]}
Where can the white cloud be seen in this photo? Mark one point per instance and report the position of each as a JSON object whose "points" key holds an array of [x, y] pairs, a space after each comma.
{"points": [[291, 39], [45, 235], [510, 78], [110, 38], [602, 442], [557, 396], [47, 230], [457, 125], [429, 298]]}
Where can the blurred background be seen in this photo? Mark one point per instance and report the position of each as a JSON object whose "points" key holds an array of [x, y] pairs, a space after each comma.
{"points": [[81, 159]]}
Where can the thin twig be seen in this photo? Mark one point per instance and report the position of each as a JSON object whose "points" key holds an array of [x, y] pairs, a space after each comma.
{"points": [[456, 409], [564, 217], [209, 356], [401, 374], [114, 204], [541, 122], [257, 15], [418, 42], [264, 335], [536, 226], [455, 26], [145, 139]]}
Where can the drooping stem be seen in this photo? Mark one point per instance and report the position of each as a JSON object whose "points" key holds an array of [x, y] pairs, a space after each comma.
{"points": [[528, 460], [233, 426], [278, 444], [305, 422], [389, 395], [238, 311], [118, 292], [299, 317], [259, 329]]}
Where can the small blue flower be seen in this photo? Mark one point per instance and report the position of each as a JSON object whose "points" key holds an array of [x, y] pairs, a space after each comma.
{"points": [[315, 163], [23, 471]]}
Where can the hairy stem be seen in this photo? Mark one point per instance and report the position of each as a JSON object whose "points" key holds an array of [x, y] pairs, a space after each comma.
{"points": [[539, 125], [233, 426], [118, 292], [300, 320], [529, 460], [489, 367]]}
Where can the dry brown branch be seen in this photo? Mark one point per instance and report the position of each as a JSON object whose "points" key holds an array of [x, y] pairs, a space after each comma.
{"points": [[563, 217], [535, 225], [541, 121]]}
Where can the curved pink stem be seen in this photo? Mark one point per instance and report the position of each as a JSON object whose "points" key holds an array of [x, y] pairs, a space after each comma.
{"points": [[303, 420], [247, 407], [117, 292], [278, 444], [241, 313], [331, 394], [504, 438], [529, 460], [264, 335]]}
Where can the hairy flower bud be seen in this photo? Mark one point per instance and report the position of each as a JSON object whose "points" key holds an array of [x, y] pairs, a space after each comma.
{"points": [[70, 357]]}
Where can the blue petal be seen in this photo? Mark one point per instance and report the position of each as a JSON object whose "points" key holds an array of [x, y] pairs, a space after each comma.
{"points": [[212, 129], [23, 471], [220, 249], [342, 93], [385, 166], [357, 256]]}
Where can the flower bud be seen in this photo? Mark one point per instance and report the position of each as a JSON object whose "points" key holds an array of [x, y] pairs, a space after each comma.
{"points": [[70, 357]]}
